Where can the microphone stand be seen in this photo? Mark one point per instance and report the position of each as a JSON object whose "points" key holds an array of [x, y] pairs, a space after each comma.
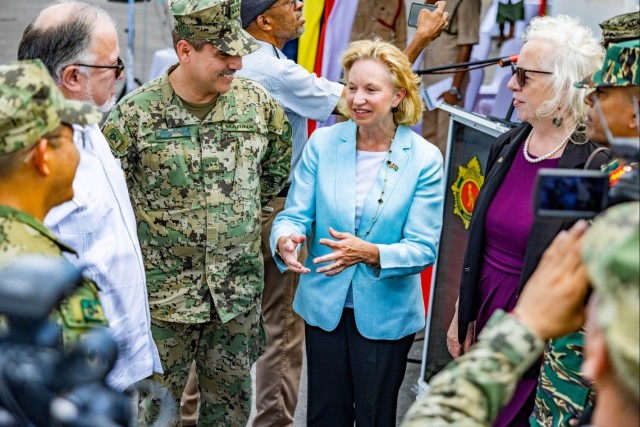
{"points": [[472, 65], [459, 68]]}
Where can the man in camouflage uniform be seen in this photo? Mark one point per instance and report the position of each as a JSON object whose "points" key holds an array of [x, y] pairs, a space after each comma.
{"points": [[202, 151], [473, 388], [614, 87], [38, 160], [563, 395]]}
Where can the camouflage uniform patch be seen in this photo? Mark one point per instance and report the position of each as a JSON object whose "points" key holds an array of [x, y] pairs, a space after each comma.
{"points": [[197, 189], [21, 234]]}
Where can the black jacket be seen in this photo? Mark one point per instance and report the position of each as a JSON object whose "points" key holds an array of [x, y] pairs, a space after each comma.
{"points": [[501, 156]]}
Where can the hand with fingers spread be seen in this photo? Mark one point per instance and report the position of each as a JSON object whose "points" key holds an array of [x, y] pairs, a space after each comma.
{"points": [[348, 250], [286, 248]]}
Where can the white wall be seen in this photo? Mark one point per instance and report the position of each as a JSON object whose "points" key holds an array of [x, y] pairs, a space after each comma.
{"points": [[592, 12]]}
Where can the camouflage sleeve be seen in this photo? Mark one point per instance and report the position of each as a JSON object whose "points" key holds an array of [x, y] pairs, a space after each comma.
{"points": [[472, 389], [120, 139], [276, 163], [563, 395]]}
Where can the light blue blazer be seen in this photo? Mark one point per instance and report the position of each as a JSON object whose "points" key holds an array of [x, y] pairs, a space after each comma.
{"points": [[387, 300]]}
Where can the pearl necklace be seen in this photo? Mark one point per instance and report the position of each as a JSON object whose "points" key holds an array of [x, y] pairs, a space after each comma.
{"points": [[374, 219], [525, 149]]}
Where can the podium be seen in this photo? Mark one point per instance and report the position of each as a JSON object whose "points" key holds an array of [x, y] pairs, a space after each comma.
{"points": [[470, 139]]}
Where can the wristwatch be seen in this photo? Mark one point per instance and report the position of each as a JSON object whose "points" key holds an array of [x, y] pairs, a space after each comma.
{"points": [[455, 92]]}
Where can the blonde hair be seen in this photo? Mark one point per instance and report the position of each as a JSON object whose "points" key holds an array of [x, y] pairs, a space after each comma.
{"points": [[574, 54], [400, 72]]}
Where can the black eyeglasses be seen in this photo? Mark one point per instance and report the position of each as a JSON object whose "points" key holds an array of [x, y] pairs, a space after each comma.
{"points": [[119, 68], [521, 72]]}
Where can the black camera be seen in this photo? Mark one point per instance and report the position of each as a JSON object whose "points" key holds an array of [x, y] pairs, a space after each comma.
{"points": [[570, 193], [40, 384]]}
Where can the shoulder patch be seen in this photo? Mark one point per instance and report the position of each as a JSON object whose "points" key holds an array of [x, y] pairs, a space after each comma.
{"points": [[287, 131], [92, 310], [114, 137]]}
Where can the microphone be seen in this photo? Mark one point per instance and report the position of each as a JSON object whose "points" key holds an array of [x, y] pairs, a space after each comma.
{"points": [[509, 60]]}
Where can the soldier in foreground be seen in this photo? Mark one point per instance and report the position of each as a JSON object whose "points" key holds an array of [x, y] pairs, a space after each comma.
{"points": [[473, 388], [611, 117], [202, 152], [38, 161]]}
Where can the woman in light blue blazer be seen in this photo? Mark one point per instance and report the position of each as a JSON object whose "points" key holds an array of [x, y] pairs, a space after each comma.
{"points": [[367, 200]]}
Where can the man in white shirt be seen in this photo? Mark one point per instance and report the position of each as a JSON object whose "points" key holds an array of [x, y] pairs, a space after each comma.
{"points": [[78, 43]]}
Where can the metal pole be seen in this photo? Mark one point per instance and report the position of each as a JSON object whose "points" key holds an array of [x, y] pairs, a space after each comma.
{"points": [[130, 70], [485, 62]]}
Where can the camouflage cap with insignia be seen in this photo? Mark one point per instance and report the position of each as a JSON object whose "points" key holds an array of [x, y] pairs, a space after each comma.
{"points": [[31, 105], [611, 254], [620, 68], [620, 28], [216, 21]]}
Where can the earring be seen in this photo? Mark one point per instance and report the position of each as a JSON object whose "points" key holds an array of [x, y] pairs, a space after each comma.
{"points": [[394, 109], [557, 121]]}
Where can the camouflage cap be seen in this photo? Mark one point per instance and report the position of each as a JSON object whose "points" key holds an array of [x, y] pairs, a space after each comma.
{"points": [[216, 21], [31, 105], [620, 68], [612, 257], [620, 28]]}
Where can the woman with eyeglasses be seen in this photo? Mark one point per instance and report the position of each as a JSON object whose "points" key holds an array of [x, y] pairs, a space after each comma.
{"points": [[506, 241]]}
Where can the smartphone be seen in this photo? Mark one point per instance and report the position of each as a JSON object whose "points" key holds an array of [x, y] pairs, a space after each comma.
{"points": [[415, 11], [570, 193]]}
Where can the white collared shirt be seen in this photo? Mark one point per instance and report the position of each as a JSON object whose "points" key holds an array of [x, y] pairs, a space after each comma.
{"points": [[100, 225]]}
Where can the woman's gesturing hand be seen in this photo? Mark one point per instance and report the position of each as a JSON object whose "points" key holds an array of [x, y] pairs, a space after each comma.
{"points": [[286, 248], [347, 251]]}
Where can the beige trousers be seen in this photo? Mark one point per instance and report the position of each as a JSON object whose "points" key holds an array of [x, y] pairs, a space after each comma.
{"points": [[278, 369]]}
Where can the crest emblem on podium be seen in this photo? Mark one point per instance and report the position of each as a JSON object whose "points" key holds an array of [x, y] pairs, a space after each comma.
{"points": [[466, 188]]}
